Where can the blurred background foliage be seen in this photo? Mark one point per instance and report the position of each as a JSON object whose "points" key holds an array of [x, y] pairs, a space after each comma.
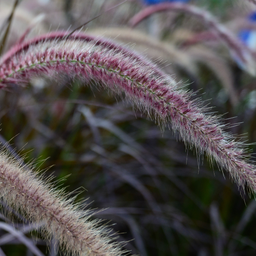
{"points": [[164, 198]]}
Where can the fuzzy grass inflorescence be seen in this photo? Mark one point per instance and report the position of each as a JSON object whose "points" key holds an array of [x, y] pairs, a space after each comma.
{"points": [[37, 199], [236, 47], [121, 70]]}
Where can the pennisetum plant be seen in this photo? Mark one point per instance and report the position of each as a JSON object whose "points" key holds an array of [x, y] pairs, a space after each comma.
{"points": [[236, 47], [100, 61]]}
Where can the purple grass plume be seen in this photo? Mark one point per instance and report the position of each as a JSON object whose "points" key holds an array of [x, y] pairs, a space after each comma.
{"points": [[237, 48], [124, 72], [27, 192]]}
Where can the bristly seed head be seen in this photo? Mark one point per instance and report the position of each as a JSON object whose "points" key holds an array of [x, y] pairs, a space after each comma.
{"points": [[125, 72]]}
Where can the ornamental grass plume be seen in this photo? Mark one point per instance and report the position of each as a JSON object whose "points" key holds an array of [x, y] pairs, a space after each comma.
{"points": [[38, 200], [236, 46], [186, 59], [105, 63]]}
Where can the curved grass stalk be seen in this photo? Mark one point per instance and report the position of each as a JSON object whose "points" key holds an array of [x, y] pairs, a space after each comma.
{"points": [[60, 36], [123, 72], [240, 50], [185, 58], [70, 224], [156, 50]]}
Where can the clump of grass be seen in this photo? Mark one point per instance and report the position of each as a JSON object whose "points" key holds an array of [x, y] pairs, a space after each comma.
{"points": [[141, 81], [122, 71], [101, 62]]}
